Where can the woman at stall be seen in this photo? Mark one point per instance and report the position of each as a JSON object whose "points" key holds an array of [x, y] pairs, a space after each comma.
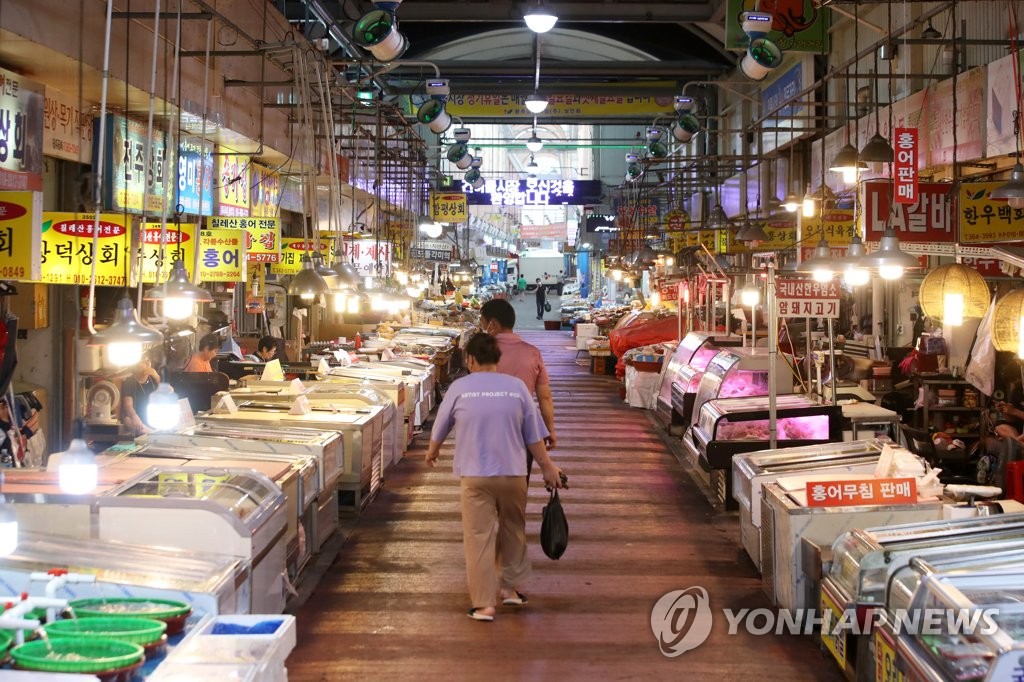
{"points": [[496, 419]]}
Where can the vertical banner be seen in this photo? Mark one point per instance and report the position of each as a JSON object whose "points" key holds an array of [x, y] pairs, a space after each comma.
{"points": [[262, 236], [22, 102], [66, 253], [21, 217], [195, 169], [232, 191], [905, 166], [67, 127], [222, 255], [178, 245], [264, 193], [131, 186]]}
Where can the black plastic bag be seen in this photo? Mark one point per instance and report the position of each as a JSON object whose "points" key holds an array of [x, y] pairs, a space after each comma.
{"points": [[554, 529], [547, 307]]}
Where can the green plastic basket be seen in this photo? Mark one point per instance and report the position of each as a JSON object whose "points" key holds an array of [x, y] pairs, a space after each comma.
{"points": [[76, 655], [6, 637], [130, 608], [141, 631]]}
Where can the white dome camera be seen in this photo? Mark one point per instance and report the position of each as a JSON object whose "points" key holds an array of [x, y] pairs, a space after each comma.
{"points": [[461, 134], [438, 88], [756, 24], [683, 103]]}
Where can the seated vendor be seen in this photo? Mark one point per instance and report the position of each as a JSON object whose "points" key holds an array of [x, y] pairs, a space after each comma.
{"points": [[205, 352], [135, 392], [266, 350]]}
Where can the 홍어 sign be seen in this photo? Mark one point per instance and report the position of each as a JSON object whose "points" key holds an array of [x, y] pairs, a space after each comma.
{"points": [[222, 255], [868, 491], [905, 166]]}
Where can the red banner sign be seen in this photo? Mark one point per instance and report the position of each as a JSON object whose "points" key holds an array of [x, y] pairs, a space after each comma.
{"points": [[873, 491], [905, 166], [929, 219], [807, 298]]}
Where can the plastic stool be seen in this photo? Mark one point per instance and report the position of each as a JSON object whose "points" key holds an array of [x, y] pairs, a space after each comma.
{"points": [[1015, 481]]}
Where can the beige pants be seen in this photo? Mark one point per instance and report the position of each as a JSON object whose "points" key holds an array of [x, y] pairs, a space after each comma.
{"points": [[494, 535]]}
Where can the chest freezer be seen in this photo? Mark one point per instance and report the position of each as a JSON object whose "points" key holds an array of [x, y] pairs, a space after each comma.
{"points": [[786, 521], [683, 373], [211, 583], [238, 512], [362, 436], [419, 383], [992, 651], [751, 471], [740, 372]]}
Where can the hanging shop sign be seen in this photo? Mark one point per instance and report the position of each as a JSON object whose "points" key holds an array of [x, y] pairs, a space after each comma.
{"points": [[195, 176], [552, 231], [179, 244], [448, 207], [968, 118], [868, 491], [66, 249], [600, 222], [838, 226], [292, 251], [131, 186], [21, 217], [986, 267], [561, 105], [21, 133], [67, 128], [222, 256], [984, 220], [263, 236], [807, 298], [638, 214], [1000, 103], [797, 26], [697, 237], [264, 193], [432, 250], [677, 220], [725, 241], [930, 219], [369, 257], [534, 192], [232, 190], [905, 166], [255, 291]]}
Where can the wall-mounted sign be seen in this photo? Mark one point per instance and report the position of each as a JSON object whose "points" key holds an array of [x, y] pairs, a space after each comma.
{"points": [[868, 491], [905, 166], [129, 185], [262, 236], [807, 298], [21, 133], [67, 129], [600, 222], [66, 249], [178, 245], [984, 220], [968, 118], [21, 217], [232, 191], [535, 192], [369, 257], [222, 255], [798, 25], [930, 219], [562, 106], [448, 207], [293, 249], [838, 226], [634, 214], [677, 221], [552, 231], [1000, 104], [195, 169], [778, 91], [264, 193], [432, 250]]}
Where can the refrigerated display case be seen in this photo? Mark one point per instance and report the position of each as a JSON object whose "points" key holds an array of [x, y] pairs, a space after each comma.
{"points": [[740, 372], [752, 470], [683, 373], [238, 512], [993, 651], [420, 382], [732, 426]]}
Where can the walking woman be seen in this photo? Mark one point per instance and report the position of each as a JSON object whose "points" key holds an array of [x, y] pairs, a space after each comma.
{"points": [[496, 419]]}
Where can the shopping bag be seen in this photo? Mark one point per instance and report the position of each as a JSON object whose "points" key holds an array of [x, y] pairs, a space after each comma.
{"points": [[554, 529], [547, 307]]}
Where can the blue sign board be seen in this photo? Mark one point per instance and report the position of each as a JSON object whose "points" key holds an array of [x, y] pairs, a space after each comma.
{"points": [[195, 168], [782, 90]]}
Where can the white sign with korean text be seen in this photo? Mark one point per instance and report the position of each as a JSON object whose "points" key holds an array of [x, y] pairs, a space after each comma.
{"points": [[371, 258], [807, 298]]}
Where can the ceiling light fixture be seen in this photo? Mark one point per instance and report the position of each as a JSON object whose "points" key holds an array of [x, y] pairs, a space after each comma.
{"points": [[539, 18], [307, 284], [125, 336], [1013, 190], [821, 264], [889, 259], [178, 294], [536, 104], [930, 32], [535, 144]]}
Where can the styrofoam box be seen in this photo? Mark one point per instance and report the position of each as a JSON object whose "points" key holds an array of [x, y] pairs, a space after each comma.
{"points": [[586, 329], [273, 648], [171, 671]]}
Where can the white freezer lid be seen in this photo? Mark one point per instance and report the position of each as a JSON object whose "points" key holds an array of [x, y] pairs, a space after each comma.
{"points": [[798, 483]]}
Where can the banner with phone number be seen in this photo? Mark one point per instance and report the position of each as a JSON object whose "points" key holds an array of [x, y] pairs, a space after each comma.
{"points": [[176, 247], [292, 249], [20, 222], [66, 249], [222, 255]]}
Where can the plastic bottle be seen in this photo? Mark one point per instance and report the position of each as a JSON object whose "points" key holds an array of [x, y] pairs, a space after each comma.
{"points": [[359, 340]]}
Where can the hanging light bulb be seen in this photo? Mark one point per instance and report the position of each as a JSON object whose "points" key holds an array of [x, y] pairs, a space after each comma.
{"points": [[125, 336], [1012, 191], [953, 308], [178, 293], [854, 274], [536, 104], [821, 264], [750, 296], [535, 144], [889, 259], [807, 205], [540, 19], [163, 412], [791, 203], [77, 471], [352, 304], [307, 284], [718, 220]]}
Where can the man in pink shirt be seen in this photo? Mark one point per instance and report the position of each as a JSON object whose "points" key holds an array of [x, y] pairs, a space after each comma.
{"points": [[520, 359]]}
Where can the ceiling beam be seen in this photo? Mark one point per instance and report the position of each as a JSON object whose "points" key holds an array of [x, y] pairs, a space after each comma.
{"points": [[589, 12], [494, 70]]}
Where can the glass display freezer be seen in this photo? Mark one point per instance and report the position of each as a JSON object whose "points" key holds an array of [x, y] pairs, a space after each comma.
{"points": [[733, 426], [752, 470], [740, 372], [211, 583], [238, 512], [683, 373], [361, 430]]}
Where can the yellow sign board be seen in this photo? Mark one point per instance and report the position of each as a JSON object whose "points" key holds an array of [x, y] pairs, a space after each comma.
{"points": [[563, 106], [21, 217], [292, 250], [232, 186], [221, 255], [838, 226], [264, 193], [179, 244], [833, 635], [886, 669], [66, 249], [263, 236], [984, 220], [448, 207]]}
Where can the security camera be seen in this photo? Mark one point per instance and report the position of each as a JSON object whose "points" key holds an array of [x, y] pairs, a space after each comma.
{"points": [[477, 162], [654, 134], [438, 88], [762, 57], [756, 24], [377, 32], [683, 103], [461, 134]]}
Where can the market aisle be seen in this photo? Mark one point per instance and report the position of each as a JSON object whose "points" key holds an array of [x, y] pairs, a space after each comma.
{"points": [[393, 605]]}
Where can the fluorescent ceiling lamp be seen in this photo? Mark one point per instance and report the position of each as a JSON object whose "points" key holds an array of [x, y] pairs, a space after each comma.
{"points": [[536, 104], [125, 337], [539, 19], [535, 144]]}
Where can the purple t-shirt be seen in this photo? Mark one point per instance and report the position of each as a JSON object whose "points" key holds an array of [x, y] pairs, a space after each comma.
{"points": [[496, 419]]}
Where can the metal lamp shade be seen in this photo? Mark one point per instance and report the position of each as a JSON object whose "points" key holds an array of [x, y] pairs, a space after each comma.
{"points": [[752, 232], [1014, 189], [329, 274], [821, 259], [347, 272], [954, 279], [846, 159], [179, 286], [718, 220], [126, 328], [889, 254], [307, 282], [877, 150]]}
